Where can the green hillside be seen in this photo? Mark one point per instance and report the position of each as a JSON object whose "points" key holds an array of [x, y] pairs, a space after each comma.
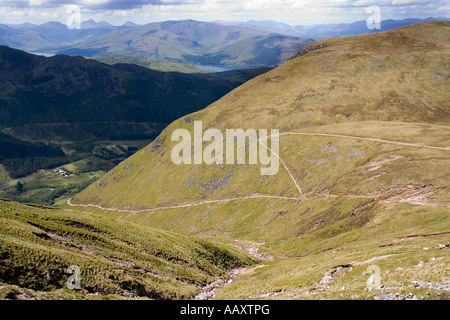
{"points": [[71, 99], [116, 259], [363, 180], [67, 90]]}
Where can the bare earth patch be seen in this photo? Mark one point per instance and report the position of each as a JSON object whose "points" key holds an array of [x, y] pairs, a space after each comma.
{"points": [[377, 165]]}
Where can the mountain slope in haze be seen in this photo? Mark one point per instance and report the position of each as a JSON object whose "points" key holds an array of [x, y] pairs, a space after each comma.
{"points": [[115, 258], [363, 182], [322, 31], [17, 38], [194, 42], [40, 38]]}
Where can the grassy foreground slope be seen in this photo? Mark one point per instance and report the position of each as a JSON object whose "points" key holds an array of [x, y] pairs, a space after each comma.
{"points": [[364, 124], [116, 258]]}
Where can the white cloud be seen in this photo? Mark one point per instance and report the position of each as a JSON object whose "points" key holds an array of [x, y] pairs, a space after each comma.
{"points": [[18, 13], [289, 11], [36, 2], [93, 2], [125, 13]]}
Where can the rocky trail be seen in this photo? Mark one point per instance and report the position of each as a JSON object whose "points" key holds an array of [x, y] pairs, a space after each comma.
{"points": [[209, 292]]}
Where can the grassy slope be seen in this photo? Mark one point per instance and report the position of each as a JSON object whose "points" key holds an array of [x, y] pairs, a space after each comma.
{"points": [[338, 84], [4, 177], [115, 257], [392, 86]]}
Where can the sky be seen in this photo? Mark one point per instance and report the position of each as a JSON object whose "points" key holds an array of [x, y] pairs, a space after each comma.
{"points": [[292, 12]]}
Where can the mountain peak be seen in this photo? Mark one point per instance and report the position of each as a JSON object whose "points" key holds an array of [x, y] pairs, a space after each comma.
{"points": [[130, 24], [92, 24], [52, 24]]}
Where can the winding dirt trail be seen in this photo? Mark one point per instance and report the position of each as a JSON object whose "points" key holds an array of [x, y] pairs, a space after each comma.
{"points": [[339, 136], [418, 145], [185, 205], [301, 196]]}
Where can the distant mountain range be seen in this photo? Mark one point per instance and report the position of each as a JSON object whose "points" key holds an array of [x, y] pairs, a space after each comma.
{"points": [[322, 31], [194, 42], [41, 38], [360, 190], [151, 64], [232, 44]]}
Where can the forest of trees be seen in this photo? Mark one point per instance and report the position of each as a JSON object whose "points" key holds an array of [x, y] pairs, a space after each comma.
{"points": [[21, 158]]}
